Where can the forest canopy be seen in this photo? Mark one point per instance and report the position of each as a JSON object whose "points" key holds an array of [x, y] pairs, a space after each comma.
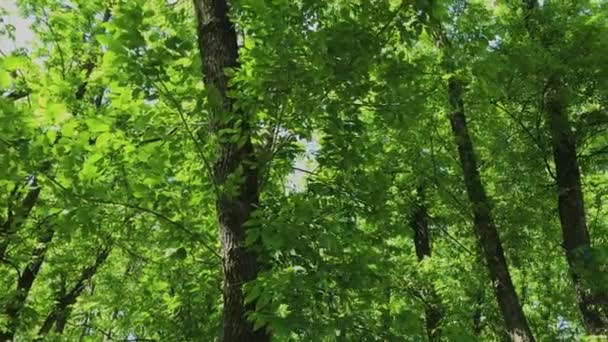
{"points": [[304, 170]]}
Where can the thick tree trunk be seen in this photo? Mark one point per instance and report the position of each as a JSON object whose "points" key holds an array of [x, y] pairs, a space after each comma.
{"points": [[422, 241], [235, 167], [592, 303], [24, 284], [485, 229]]}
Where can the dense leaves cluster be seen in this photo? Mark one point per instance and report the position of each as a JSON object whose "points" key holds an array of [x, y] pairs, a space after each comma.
{"points": [[369, 224]]}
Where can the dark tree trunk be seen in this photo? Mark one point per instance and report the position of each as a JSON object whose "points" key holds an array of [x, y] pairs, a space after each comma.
{"points": [[592, 303], [592, 300], [487, 235], [235, 166], [422, 241], [485, 229], [420, 225], [24, 284]]}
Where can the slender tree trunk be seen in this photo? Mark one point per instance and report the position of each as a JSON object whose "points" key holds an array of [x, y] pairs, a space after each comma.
{"points": [[235, 167], [24, 284], [592, 300], [422, 241], [592, 303], [487, 235], [485, 229]]}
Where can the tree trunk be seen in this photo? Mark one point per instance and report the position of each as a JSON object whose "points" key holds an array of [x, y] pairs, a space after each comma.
{"points": [[234, 169], [592, 300], [485, 229], [422, 241], [24, 284], [592, 303]]}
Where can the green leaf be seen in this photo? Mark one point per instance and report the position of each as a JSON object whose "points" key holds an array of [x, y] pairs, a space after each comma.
{"points": [[253, 293], [257, 6], [97, 125], [51, 134], [5, 79], [12, 62], [103, 39], [249, 43], [103, 140]]}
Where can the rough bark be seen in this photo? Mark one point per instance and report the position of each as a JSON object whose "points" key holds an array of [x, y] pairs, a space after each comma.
{"points": [[592, 303], [235, 166], [592, 300], [422, 242], [24, 284], [420, 225], [485, 229]]}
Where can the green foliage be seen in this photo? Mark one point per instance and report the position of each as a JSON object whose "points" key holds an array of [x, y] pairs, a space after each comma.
{"points": [[106, 113]]}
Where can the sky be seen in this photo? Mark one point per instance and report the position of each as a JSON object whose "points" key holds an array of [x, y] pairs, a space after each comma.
{"points": [[23, 33]]}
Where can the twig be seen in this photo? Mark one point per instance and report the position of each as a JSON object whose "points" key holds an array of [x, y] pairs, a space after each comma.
{"points": [[529, 133], [182, 116], [142, 209]]}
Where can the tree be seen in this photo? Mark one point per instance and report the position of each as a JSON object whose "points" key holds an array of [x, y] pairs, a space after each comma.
{"points": [[369, 170], [489, 240], [422, 242], [235, 173], [592, 299]]}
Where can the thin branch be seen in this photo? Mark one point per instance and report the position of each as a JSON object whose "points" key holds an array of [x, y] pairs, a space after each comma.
{"points": [[305, 171], [159, 215], [45, 20], [455, 240], [108, 336], [529, 133], [182, 116], [391, 19], [157, 139], [17, 94]]}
